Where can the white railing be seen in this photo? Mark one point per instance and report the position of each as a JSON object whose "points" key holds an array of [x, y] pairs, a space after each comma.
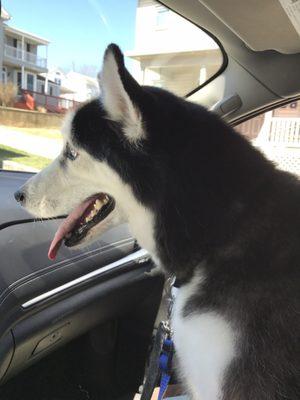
{"points": [[285, 131], [12, 52], [279, 131], [279, 139], [25, 56]]}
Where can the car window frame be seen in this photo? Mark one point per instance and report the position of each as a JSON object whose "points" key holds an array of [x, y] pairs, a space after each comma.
{"points": [[276, 104], [217, 41]]}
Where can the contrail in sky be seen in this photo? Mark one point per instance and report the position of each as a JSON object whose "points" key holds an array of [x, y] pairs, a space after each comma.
{"points": [[96, 6]]}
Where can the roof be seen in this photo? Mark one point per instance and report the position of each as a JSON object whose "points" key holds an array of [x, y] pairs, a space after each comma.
{"points": [[140, 54], [19, 32], [78, 75], [65, 90]]}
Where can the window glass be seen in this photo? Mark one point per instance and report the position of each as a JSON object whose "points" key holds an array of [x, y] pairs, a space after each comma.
{"points": [[162, 17], [4, 75], [49, 68], [30, 82], [171, 52], [19, 82], [277, 134]]}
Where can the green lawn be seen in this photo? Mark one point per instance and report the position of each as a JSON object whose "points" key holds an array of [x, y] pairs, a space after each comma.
{"points": [[31, 160], [43, 132]]}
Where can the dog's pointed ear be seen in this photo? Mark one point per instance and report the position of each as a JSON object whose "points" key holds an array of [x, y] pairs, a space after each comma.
{"points": [[120, 93]]}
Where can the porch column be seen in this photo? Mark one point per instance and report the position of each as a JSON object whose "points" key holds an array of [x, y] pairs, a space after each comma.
{"points": [[202, 75], [143, 75], [46, 66], [23, 49], [263, 136], [23, 82]]}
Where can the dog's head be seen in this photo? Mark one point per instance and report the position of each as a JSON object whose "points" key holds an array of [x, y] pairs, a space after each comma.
{"points": [[106, 171]]}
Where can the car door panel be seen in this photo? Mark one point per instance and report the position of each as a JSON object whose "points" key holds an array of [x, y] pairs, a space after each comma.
{"points": [[45, 304], [42, 330]]}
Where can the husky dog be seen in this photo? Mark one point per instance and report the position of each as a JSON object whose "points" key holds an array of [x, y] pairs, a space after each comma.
{"points": [[208, 207]]}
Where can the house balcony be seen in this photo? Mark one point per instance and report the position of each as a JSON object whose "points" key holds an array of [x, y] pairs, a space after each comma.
{"points": [[18, 57]]}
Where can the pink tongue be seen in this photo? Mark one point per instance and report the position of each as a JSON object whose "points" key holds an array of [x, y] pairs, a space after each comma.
{"points": [[66, 226]]}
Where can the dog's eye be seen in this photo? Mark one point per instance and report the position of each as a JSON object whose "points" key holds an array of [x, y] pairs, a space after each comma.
{"points": [[70, 153]]}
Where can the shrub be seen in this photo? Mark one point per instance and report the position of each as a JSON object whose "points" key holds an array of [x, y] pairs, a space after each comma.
{"points": [[8, 93], [41, 109]]}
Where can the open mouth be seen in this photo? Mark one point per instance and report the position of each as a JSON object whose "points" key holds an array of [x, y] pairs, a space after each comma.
{"points": [[79, 222]]}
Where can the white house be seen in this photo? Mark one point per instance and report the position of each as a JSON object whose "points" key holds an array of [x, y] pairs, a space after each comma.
{"points": [[23, 61], [50, 82], [170, 51], [72, 85], [79, 87], [4, 16], [21, 55]]}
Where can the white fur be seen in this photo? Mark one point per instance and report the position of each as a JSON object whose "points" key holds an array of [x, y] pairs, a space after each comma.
{"points": [[56, 191], [140, 219], [205, 345], [117, 102]]}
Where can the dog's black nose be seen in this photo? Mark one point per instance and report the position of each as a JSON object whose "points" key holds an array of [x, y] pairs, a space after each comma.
{"points": [[19, 196]]}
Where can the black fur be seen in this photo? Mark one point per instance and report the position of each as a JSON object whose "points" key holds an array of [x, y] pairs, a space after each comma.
{"points": [[219, 202]]}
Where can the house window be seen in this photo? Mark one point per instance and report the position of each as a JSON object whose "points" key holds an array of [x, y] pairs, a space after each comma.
{"points": [[58, 81], [162, 17], [30, 82], [28, 47], [4, 75], [51, 91], [15, 43], [19, 81]]}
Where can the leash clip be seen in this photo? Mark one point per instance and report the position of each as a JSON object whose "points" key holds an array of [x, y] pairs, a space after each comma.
{"points": [[166, 356]]}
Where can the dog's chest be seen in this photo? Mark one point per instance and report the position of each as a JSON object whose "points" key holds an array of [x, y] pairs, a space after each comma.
{"points": [[204, 343]]}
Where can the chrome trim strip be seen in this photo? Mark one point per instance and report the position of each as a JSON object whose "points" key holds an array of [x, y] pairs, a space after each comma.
{"points": [[139, 256]]}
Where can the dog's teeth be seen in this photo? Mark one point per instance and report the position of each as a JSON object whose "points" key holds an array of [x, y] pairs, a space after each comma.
{"points": [[97, 204], [105, 200]]}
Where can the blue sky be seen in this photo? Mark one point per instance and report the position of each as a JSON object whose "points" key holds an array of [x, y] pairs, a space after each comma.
{"points": [[79, 30]]}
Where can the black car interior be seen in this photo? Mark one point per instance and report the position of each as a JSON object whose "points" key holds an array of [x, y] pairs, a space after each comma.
{"points": [[91, 312]]}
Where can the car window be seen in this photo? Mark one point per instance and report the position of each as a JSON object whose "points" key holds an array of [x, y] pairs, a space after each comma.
{"points": [[49, 64], [277, 134], [171, 52]]}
